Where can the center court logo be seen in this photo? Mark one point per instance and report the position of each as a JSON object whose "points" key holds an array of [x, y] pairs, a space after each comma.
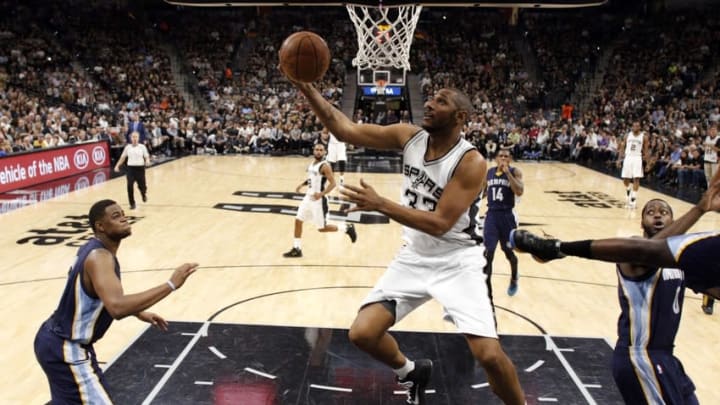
{"points": [[589, 199], [361, 217], [81, 159], [336, 215], [98, 155]]}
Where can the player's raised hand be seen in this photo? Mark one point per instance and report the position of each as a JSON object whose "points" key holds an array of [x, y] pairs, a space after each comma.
{"points": [[365, 197], [153, 319], [182, 273]]}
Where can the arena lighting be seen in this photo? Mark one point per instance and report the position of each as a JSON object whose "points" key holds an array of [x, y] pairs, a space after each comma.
{"points": [[556, 4]]}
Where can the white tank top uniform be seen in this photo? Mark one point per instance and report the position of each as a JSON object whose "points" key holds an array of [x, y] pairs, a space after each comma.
{"points": [[709, 149], [449, 267], [314, 210], [632, 164], [337, 150]]}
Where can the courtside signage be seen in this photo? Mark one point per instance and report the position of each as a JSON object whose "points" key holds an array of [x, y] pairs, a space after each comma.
{"points": [[29, 169]]}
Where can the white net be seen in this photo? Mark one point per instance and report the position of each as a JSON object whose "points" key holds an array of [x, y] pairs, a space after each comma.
{"points": [[384, 34]]}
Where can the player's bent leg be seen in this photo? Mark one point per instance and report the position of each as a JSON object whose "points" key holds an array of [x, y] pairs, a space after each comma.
{"points": [[369, 333], [297, 232], [513, 285], [500, 370], [328, 228]]}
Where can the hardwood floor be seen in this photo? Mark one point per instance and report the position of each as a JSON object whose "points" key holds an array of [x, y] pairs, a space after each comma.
{"points": [[194, 214]]}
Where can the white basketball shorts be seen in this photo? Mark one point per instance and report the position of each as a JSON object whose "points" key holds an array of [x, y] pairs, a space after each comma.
{"points": [[313, 211], [456, 279], [336, 152], [632, 168]]}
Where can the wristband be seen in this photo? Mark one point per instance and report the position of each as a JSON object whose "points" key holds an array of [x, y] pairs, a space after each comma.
{"points": [[171, 285]]}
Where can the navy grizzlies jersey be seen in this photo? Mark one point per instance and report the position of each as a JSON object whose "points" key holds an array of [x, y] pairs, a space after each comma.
{"points": [[423, 186], [499, 194], [79, 317], [651, 309]]}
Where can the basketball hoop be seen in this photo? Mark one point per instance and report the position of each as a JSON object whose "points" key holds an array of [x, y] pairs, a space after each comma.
{"points": [[380, 87], [384, 34]]}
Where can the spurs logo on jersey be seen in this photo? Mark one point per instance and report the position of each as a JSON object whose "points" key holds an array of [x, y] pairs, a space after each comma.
{"points": [[424, 182], [421, 179]]}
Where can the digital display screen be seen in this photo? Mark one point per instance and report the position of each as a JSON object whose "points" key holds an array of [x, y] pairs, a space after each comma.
{"points": [[395, 91]]}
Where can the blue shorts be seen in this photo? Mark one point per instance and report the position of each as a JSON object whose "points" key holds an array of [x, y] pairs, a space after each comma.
{"points": [[71, 369], [697, 255], [497, 227], [652, 377]]}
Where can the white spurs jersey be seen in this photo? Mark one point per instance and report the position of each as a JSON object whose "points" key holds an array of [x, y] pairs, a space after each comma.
{"points": [[709, 144], [333, 140], [316, 181], [634, 144], [423, 185]]}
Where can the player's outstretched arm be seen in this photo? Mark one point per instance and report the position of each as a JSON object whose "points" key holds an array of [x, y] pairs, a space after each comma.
{"points": [[374, 136], [460, 192], [103, 282], [653, 252]]}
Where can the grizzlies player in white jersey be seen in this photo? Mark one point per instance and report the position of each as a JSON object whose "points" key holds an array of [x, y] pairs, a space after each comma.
{"points": [[442, 259], [92, 298], [635, 148], [320, 182]]}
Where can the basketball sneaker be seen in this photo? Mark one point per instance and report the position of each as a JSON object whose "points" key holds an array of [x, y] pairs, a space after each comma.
{"points": [[294, 252], [513, 287], [416, 381], [350, 231], [543, 250]]}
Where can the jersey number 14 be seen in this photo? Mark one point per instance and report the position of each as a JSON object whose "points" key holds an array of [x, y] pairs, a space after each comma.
{"points": [[496, 193]]}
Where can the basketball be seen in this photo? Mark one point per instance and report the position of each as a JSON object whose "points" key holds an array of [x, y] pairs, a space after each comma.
{"points": [[304, 57]]}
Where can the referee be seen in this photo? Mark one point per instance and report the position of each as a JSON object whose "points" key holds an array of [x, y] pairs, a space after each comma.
{"points": [[137, 159]]}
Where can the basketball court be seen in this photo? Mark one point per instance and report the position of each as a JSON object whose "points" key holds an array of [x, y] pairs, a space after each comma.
{"points": [[253, 327]]}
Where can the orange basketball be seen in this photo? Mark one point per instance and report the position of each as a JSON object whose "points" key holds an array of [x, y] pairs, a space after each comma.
{"points": [[304, 57]]}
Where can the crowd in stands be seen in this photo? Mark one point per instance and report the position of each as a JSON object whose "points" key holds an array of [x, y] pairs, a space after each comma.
{"points": [[73, 72]]}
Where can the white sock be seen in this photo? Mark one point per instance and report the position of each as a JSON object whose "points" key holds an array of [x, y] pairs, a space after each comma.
{"points": [[342, 180], [296, 243], [633, 196], [403, 371], [628, 190]]}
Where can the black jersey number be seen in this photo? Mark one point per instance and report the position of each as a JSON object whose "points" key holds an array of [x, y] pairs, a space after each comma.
{"points": [[428, 203]]}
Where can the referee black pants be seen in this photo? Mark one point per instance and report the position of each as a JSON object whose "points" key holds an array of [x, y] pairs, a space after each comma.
{"points": [[135, 174]]}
